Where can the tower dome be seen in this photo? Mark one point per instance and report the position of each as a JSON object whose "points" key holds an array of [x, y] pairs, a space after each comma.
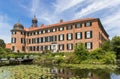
{"points": [[34, 20], [18, 26]]}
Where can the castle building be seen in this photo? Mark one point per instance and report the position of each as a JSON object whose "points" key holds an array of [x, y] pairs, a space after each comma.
{"points": [[59, 37]]}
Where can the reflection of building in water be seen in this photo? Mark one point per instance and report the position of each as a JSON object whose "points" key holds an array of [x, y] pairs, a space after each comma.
{"points": [[62, 36], [62, 73]]}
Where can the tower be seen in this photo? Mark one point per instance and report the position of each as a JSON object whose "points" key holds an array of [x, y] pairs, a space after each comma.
{"points": [[18, 38], [34, 22]]}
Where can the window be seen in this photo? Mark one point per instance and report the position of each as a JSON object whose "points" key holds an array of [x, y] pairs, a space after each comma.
{"points": [[61, 47], [43, 31], [13, 32], [61, 28], [54, 38], [39, 32], [22, 33], [33, 48], [69, 36], [88, 45], [37, 48], [69, 46], [53, 30], [29, 41], [61, 37], [48, 39], [23, 48], [69, 27], [37, 40], [87, 24], [36, 32], [33, 33], [30, 48], [13, 48], [43, 39], [78, 25], [43, 47], [48, 47], [29, 33], [13, 40], [79, 35], [22, 40], [88, 34], [48, 30]]}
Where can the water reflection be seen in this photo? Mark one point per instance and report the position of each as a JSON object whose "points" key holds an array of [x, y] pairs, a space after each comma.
{"points": [[67, 73]]}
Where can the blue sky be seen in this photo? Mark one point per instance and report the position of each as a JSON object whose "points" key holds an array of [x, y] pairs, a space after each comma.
{"points": [[51, 11]]}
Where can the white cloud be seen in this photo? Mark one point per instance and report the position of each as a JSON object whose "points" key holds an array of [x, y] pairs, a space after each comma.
{"points": [[63, 5], [97, 6], [112, 23], [5, 28], [77, 9]]}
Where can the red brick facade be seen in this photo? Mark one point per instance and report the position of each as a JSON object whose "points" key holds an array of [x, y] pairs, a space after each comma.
{"points": [[60, 37]]}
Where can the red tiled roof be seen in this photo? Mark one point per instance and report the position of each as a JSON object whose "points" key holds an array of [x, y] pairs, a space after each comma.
{"points": [[59, 24]]}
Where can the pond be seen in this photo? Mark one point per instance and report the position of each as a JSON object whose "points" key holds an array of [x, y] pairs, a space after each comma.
{"points": [[55, 72], [67, 73]]}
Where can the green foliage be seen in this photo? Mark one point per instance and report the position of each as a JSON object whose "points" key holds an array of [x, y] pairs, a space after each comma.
{"points": [[97, 54], [106, 45], [109, 58], [80, 52], [2, 43], [116, 44]]}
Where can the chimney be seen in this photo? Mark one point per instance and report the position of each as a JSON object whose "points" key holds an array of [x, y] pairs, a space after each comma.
{"points": [[61, 20]]}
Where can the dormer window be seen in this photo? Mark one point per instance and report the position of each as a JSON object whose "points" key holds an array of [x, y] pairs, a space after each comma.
{"points": [[87, 24], [48, 30], [69, 27], [78, 25], [61, 28], [43, 31], [39, 32], [53, 29]]}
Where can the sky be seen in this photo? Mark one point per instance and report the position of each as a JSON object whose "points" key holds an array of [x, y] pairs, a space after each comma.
{"points": [[51, 11]]}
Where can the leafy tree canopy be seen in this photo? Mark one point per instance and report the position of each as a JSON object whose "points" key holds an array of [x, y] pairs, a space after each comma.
{"points": [[116, 44], [2, 43]]}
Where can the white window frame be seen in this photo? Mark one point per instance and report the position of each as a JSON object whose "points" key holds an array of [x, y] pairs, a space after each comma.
{"points": [[69, 36], [48, 30], [88, 24], [43, 31], [78, 25], [88, 35], [61, 28], [61, 47], [61, 37], [53, 29], [43, 39], [79, 35], [89, 45], [48, 38], [48, 47], [36, 32], [69, 46], [39, 32]]}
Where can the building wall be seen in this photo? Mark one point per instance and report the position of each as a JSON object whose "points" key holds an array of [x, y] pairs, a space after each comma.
{"points": [[98, 36]]}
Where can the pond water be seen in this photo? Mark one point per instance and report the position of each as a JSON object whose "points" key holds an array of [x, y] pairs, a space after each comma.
{"points": [[65, 73]]}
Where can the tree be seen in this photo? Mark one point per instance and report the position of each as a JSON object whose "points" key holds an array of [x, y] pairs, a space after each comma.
{"points": [[80, 52], [106, 45], [116, 44], [2, 43]]}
